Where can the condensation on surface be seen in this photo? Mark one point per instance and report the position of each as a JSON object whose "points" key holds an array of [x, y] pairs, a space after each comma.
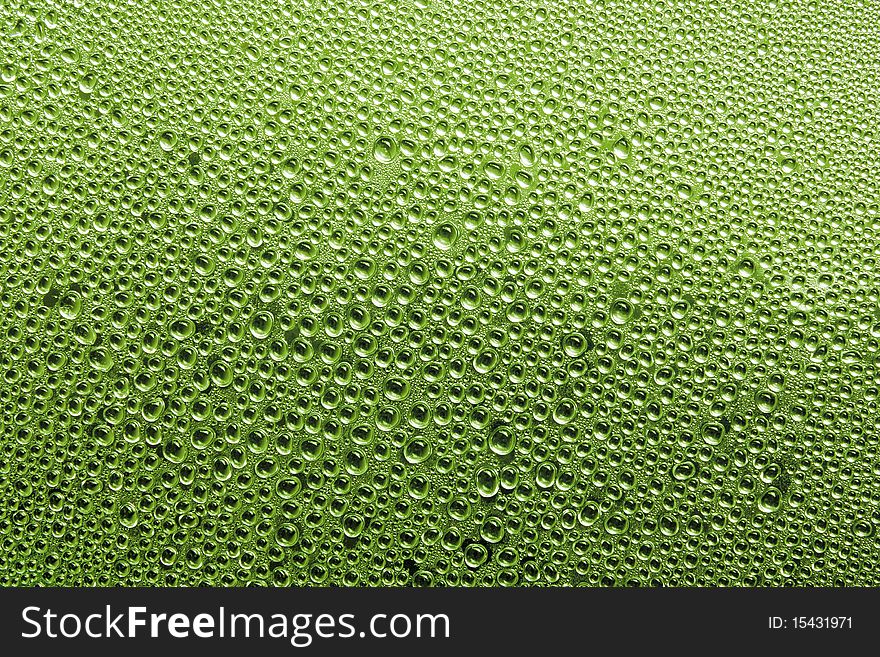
{"points": [[439, 293]]}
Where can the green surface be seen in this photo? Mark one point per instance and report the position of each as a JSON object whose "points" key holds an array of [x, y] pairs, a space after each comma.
{"points": [[439, 293]]}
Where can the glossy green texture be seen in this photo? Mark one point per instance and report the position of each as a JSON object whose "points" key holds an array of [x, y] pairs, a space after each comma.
{"points": [[439, 293]]}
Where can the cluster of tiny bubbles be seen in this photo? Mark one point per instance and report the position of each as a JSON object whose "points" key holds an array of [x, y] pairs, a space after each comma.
{"points": [[439, 293]]}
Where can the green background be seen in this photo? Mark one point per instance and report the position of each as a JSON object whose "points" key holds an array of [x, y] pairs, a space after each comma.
{"points": [[438, 293]]}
